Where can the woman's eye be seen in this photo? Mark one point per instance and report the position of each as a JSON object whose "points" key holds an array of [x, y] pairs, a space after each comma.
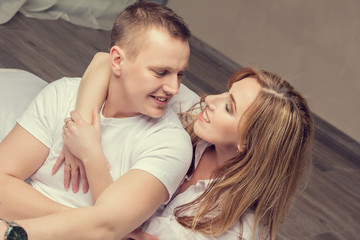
{"points": [[227, 107]]}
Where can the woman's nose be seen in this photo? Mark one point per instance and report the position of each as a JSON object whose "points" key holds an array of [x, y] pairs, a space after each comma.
{"points": [[211, 101]]}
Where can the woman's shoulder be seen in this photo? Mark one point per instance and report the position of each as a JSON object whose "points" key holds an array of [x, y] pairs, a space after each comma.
{"points": [[247, 225]]}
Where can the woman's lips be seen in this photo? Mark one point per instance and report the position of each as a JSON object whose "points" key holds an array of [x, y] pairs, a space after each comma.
{"points": [[203, 117]]}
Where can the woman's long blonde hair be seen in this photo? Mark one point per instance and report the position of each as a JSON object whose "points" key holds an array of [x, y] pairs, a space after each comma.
{"points": [[278, 130]]}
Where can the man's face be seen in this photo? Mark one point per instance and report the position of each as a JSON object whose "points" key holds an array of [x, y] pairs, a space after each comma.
{"points": [[150, 79]]}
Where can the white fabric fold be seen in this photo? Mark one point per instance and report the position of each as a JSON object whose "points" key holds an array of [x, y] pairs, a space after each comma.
{"points": [[96, 14]]}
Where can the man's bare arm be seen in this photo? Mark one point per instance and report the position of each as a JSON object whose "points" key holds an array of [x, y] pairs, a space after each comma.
{"points": [[21, 154], [121, 208]]}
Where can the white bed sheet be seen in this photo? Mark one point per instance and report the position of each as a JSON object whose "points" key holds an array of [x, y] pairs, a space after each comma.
{"points": [[97, 14], [17, 89]]}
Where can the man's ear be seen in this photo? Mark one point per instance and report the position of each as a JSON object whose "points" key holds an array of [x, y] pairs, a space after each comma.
{"points": [[116, 59]]}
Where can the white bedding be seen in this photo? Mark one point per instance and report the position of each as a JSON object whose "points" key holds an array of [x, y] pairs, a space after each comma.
{"points": [[17, 89], [97, 14]]}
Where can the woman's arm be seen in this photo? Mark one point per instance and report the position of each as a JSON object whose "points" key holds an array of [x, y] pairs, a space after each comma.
{"points": [[92, 93], [84, 141], [94, 85]]}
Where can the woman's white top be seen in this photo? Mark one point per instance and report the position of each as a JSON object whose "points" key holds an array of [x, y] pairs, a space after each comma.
{"points": [[165, 226]]}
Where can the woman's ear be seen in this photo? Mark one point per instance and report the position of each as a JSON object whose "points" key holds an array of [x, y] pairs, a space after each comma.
{"points": [[240, 148], [116, 59]]}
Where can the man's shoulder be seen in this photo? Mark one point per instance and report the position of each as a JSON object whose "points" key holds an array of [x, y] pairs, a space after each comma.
{"points": [[66, 81], [169, 128], [62, 87], [169, 119]]}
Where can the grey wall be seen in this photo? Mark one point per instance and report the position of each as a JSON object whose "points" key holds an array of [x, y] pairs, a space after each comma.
{"points": [[315, 45]]}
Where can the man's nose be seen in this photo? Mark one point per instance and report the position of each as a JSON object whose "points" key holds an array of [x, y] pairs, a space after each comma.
{"points": [[171, 87]]}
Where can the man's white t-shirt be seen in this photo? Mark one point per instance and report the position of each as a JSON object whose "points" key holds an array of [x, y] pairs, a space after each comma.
{"points": [[160, 146]]}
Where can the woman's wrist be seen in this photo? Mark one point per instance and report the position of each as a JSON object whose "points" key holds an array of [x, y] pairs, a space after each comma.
{"points": [[98, 174], [93, 156]]}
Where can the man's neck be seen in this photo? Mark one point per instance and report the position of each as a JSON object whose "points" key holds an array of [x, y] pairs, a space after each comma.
{"points": [[115, 105], [110, 110]]}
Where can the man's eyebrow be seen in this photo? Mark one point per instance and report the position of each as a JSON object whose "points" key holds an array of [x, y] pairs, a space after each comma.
{"points": [[169, 68], [186, 68], [233, 100]]}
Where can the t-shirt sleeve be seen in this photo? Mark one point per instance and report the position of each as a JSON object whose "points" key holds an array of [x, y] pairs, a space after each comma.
{"points": [[167, 155], [184, 100], [41, 119]]}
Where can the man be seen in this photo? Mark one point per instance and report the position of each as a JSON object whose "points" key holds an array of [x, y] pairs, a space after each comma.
{"points": [[143, 140]]}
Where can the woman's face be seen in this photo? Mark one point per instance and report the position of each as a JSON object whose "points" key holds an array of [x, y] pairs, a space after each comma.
{"points": [[218, 123]]}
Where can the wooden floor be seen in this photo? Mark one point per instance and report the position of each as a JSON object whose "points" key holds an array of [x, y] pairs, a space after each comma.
{"points": [[328, 209]]}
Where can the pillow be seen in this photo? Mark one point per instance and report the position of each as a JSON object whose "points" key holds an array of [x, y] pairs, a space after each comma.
{"points": [[17, 89]]}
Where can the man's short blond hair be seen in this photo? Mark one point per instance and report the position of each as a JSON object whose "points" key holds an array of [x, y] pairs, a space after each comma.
{"points": [[135, 20]]}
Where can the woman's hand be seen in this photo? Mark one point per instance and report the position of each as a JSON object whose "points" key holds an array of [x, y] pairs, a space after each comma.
{"points": [[81, 138], [84, 142], [139, 235], [73, 167]]}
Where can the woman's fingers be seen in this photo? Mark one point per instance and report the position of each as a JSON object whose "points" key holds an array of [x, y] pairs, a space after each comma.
{"points": [[67, 175], [75, 116], [59, 161], [74, 178], [84, 180], [74, 169], [71, 171]]}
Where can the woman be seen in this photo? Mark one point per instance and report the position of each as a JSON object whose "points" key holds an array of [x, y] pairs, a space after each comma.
{"points": [[252, 146]]}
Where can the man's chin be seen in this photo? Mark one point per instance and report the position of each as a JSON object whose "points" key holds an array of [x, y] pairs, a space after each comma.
{"points": [[156, 113]]}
